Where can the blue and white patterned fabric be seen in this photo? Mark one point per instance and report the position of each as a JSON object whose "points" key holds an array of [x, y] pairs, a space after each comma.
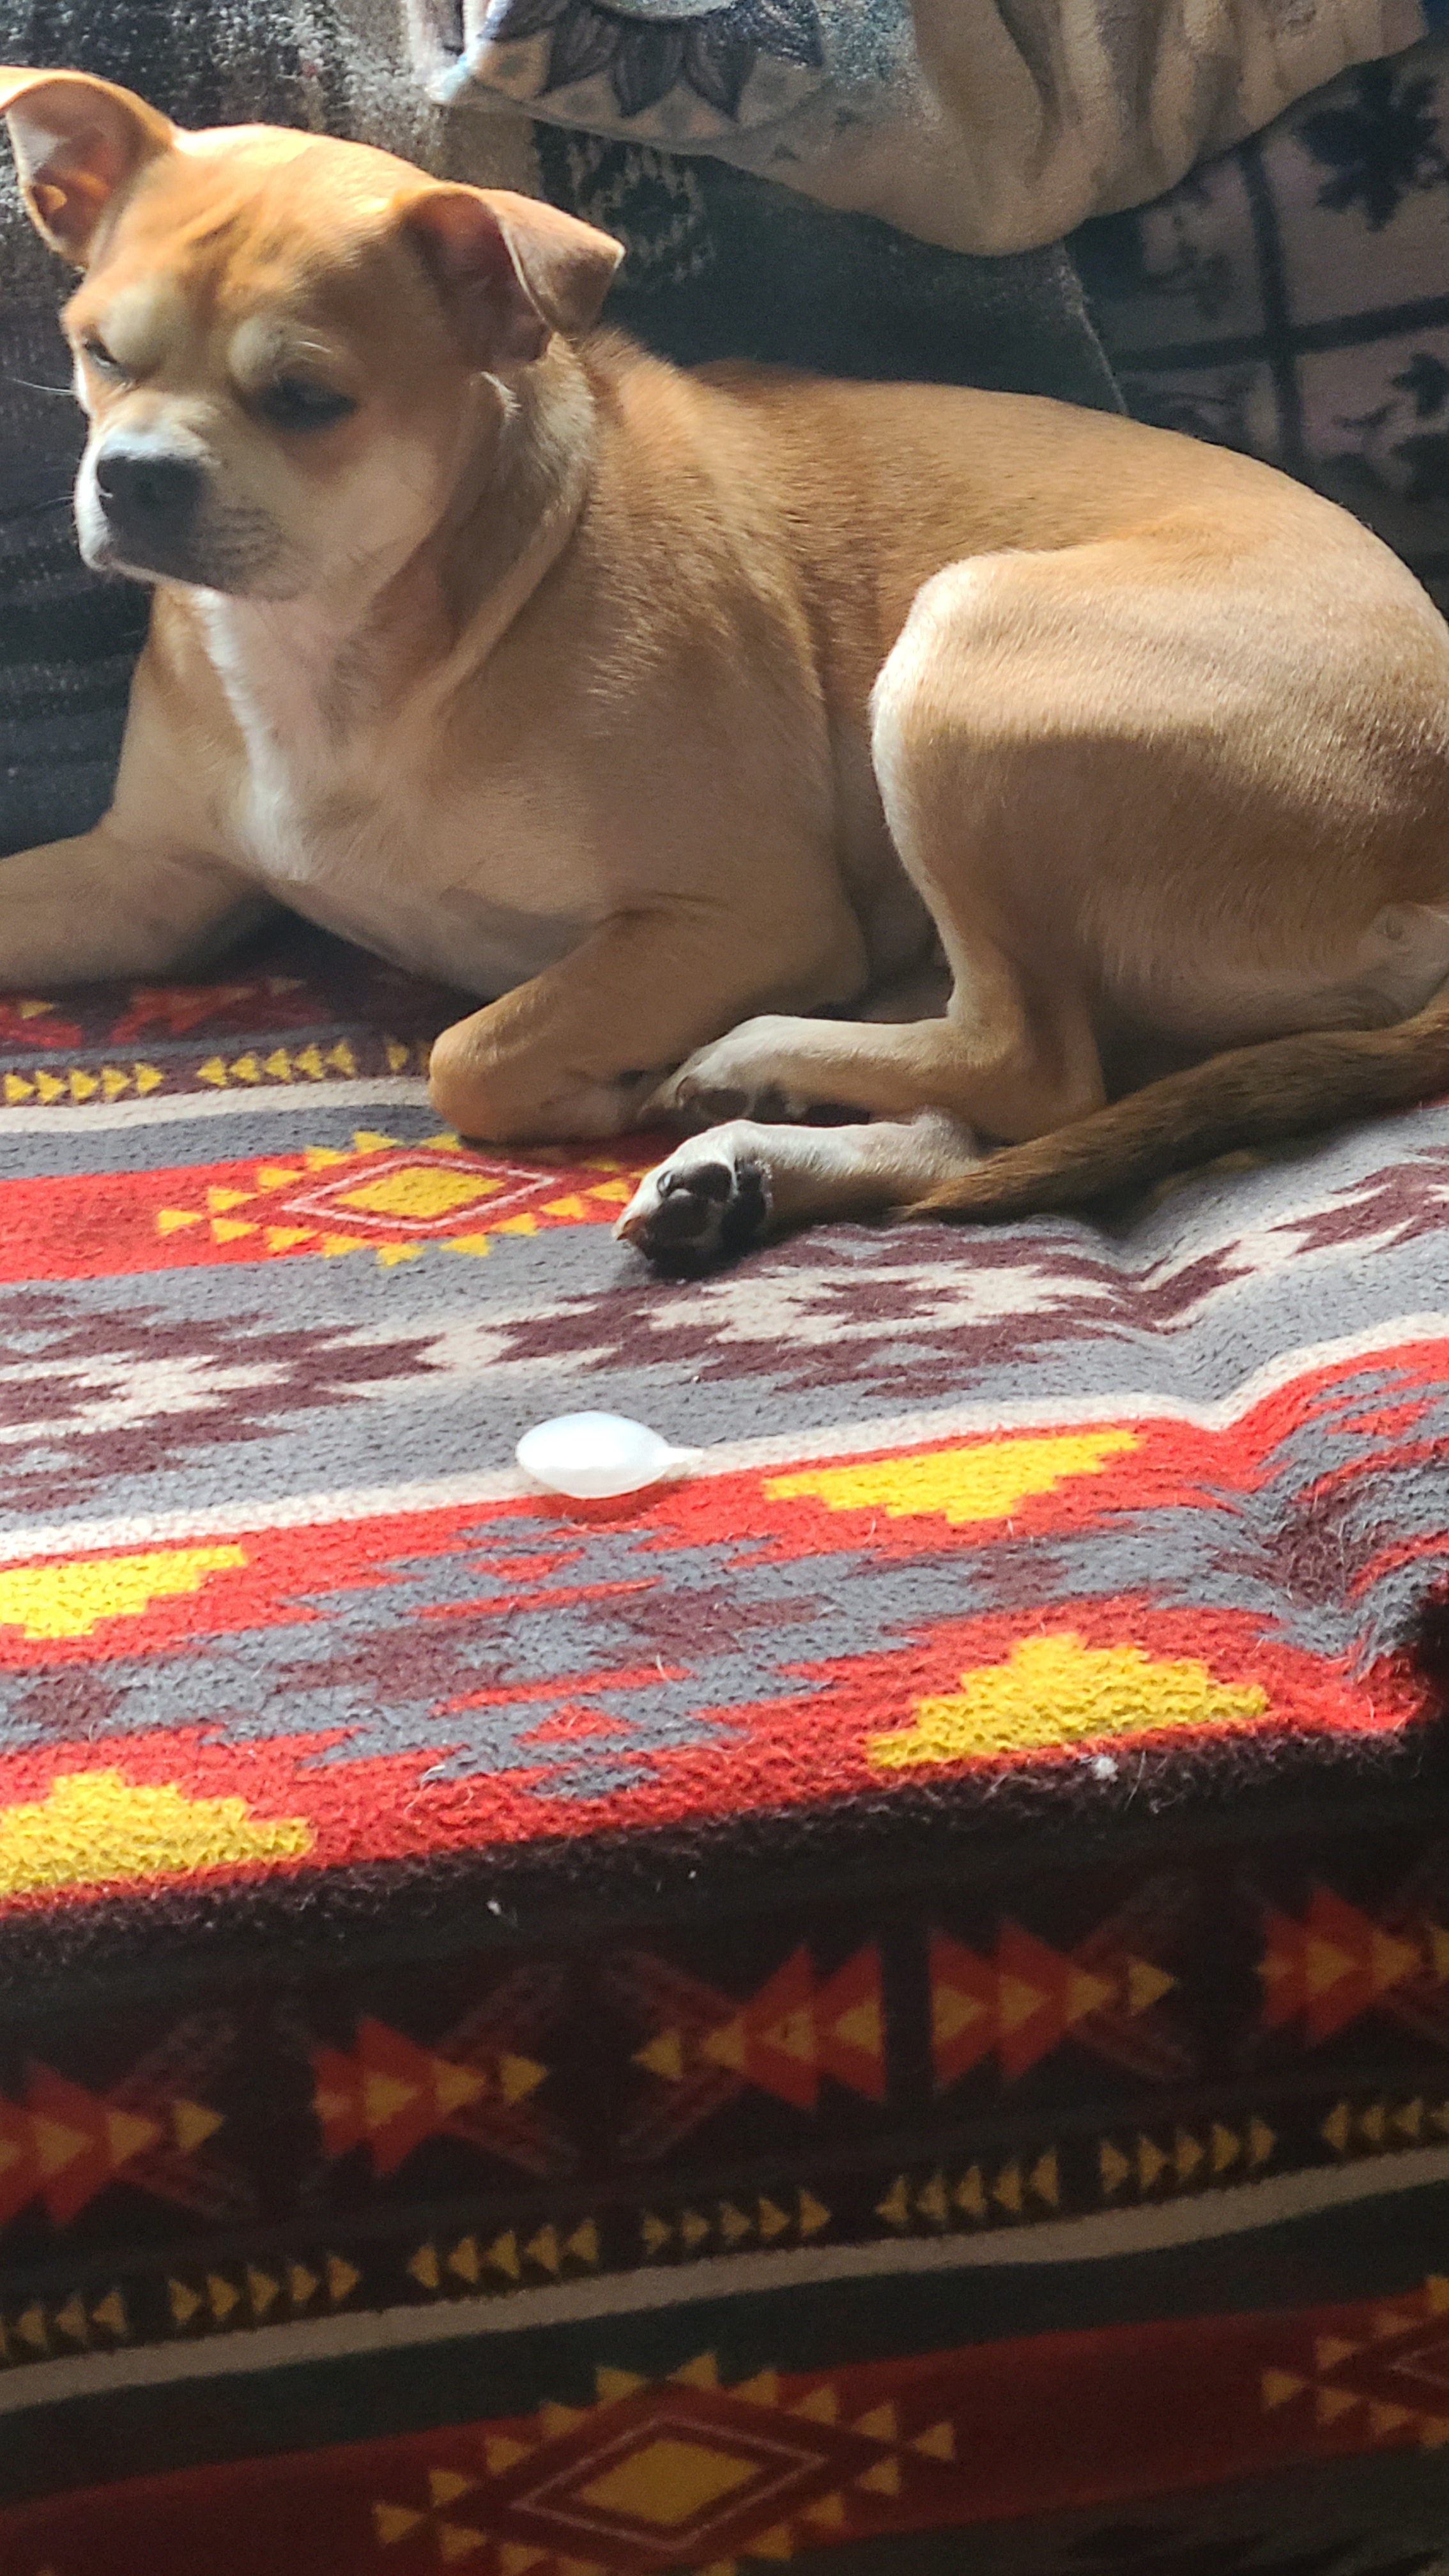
{"points": [[1291, 298], [982, 125]]}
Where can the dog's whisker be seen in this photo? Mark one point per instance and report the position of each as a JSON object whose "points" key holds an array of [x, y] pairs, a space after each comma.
{"points": [[35, 509]]}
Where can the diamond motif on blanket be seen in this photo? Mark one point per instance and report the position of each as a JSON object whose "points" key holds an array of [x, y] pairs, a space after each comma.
{"points": [[427, 1195]]}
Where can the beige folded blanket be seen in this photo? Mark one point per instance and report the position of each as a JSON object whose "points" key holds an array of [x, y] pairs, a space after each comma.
{"points": [[983, 125]]}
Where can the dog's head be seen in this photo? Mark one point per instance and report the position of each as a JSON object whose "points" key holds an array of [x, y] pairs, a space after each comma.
{"points": [[288, 347]]}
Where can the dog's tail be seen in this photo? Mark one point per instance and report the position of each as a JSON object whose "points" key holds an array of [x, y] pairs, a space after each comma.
{"points": [[1252, 1096]]}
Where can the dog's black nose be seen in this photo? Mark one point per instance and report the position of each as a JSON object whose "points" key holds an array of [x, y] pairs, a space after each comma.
{"points": [[147, 493]]}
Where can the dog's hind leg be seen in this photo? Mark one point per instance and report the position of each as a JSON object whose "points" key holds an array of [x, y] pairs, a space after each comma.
{"points": [[722, 1191], [1145, 797], [1013, 1050]]}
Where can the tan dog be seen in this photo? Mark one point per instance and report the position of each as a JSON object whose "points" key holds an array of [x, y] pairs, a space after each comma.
{"points": [[649, 700]]}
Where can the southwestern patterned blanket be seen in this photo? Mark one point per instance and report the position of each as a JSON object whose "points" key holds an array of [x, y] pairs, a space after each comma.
{"points": [[965, 1500], [885, 2003]]}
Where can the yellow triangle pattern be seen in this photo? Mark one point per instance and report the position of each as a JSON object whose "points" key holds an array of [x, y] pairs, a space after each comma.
{"points": [[975, 1481], [1387, 2417], [1011, 2188], [1185, 2159], [79, 1084], [72, 2321], [734, 2223], [1355, 2129], [96, 1827], [281, 1066], [70, 1596], [1053, 1690]]}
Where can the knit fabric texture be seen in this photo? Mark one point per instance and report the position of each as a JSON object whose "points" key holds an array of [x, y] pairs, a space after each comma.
{"points": [[578, 2037]]}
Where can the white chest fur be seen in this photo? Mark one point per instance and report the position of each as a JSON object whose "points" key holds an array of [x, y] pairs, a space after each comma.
{"points": [[339, 814]]}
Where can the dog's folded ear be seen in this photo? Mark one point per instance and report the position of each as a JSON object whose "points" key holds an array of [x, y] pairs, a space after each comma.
{"points": [[78, 144], [511, 270]]}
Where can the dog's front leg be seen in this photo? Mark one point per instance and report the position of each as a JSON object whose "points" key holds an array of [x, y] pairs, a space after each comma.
{"points": [[578, 1051], [79, 911]]}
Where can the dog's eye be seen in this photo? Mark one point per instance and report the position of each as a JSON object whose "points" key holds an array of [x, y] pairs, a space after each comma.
{"points": [[298, 402], [94, 348]]}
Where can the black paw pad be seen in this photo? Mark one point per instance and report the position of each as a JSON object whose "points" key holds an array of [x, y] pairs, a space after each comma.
{"points": [[746, 1211], [705, 1215], [702, 1181]]}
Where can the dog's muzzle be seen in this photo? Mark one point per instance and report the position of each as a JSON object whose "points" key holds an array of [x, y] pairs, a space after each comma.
{"points": [[151, 500]]}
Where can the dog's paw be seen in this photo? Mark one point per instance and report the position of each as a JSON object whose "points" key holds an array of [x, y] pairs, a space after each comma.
{"points": [[731, 1078], [707, 1203]]}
